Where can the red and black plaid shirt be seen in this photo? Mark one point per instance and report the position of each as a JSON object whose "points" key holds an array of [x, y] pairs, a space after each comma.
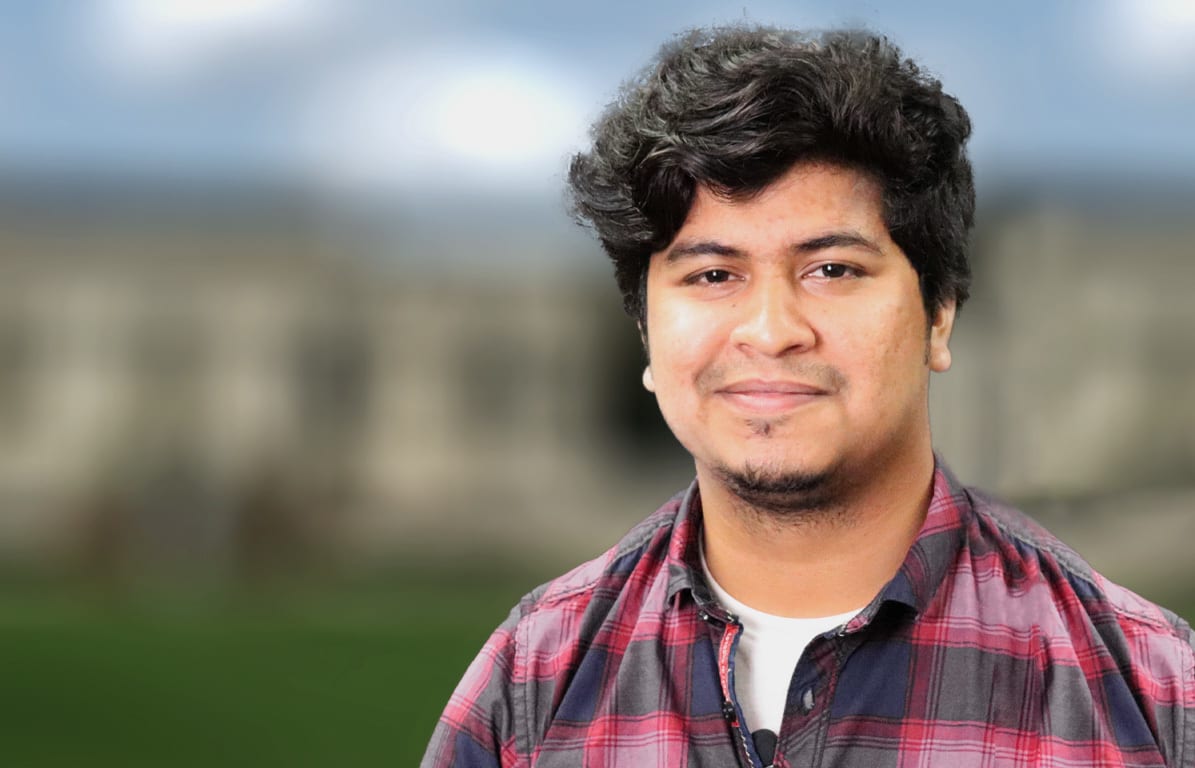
{"points": [[994, 645]]}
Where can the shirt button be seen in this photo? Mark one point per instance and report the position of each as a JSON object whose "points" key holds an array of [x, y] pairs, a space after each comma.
{"points": [[807, 700]]}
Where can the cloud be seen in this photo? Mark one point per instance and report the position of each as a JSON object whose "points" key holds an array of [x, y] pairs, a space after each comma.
{"points": [[467, 117], [153, 42], [1152, 39]]}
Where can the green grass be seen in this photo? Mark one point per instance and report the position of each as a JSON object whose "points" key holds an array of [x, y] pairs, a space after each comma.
{"points": [[311, 681]]}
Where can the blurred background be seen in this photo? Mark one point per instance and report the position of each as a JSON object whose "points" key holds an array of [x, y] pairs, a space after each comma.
{"points": [[305, 374]]}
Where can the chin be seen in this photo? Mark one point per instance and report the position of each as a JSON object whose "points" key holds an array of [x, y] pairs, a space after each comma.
{"points": [[785, 490], [784, 463]]}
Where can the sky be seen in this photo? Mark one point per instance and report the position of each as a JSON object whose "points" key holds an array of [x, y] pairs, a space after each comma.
{"points": [[417, 100]]}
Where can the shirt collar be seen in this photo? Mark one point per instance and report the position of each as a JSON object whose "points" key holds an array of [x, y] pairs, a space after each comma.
{"points": [[924, 569], [684, 559], [936, 547]]}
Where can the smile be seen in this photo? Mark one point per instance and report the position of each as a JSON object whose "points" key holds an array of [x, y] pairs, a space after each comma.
{"points": [[770, 397]]}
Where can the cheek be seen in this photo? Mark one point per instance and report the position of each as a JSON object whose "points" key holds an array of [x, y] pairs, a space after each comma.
{"points": [[884, 352], [681, 344], [675, 368]]}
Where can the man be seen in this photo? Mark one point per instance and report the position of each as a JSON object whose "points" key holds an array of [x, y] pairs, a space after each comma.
{"points": [[788, 220]]}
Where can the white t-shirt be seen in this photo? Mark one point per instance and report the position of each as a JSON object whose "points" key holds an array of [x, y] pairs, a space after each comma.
{"points": [[768, 651]]}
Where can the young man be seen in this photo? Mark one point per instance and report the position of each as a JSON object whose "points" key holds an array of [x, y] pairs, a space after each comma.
{"points": [[788, 220]]}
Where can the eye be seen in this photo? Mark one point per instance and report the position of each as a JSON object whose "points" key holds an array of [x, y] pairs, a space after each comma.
{"points": [[834, 271], [711, 276]]}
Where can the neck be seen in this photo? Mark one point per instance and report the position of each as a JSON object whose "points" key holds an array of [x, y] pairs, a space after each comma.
{"points": [[820, 562]]}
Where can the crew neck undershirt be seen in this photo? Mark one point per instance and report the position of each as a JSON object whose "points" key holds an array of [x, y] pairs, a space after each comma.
{"points": [[768, 651]]}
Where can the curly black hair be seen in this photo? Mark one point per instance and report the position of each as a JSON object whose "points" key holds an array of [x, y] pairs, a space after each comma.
{"points": [[734, 108]]}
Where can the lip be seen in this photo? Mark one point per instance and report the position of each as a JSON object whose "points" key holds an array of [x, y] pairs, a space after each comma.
{"points": [[763, 396], [768, 387]]}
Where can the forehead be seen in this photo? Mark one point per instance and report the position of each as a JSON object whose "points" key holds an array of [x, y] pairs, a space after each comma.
{"points": [[809, 196]]}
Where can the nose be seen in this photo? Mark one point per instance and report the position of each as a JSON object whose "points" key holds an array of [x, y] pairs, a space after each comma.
{"points": [[772, 321]]}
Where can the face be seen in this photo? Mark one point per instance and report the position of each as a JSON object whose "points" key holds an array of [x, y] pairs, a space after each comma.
{"points": [[787, 334]]}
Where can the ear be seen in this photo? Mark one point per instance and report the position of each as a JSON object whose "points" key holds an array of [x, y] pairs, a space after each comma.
{"points": [[648, 382], [938, 352]]}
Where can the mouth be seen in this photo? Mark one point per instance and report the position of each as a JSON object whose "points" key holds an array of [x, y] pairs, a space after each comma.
{"points": [[770, 397]]}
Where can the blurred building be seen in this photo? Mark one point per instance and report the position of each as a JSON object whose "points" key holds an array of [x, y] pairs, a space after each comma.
{"points": [[216, 380], [220, 382], [1075, 361]]}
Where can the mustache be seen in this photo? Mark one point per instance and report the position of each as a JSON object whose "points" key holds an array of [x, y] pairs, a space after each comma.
{"points": [[820, 375]]}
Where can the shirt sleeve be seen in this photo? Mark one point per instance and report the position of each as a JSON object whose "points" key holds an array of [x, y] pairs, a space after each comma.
{"points": [[478, 727]]}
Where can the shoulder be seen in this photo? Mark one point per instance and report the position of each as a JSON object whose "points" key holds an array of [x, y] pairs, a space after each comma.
{"points": [[1047, 586], [629, 578], [559, 620], [508, 692], [1031, 554], [1107, 664]]}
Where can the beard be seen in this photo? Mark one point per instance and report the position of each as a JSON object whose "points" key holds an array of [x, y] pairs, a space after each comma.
{"points": [[786, 497]]}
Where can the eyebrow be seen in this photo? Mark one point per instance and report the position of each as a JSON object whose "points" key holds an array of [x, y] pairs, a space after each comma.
{"points": [[844, 239]]}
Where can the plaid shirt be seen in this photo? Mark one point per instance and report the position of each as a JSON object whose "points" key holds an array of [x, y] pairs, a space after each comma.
{"points": [[994, 645]]}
